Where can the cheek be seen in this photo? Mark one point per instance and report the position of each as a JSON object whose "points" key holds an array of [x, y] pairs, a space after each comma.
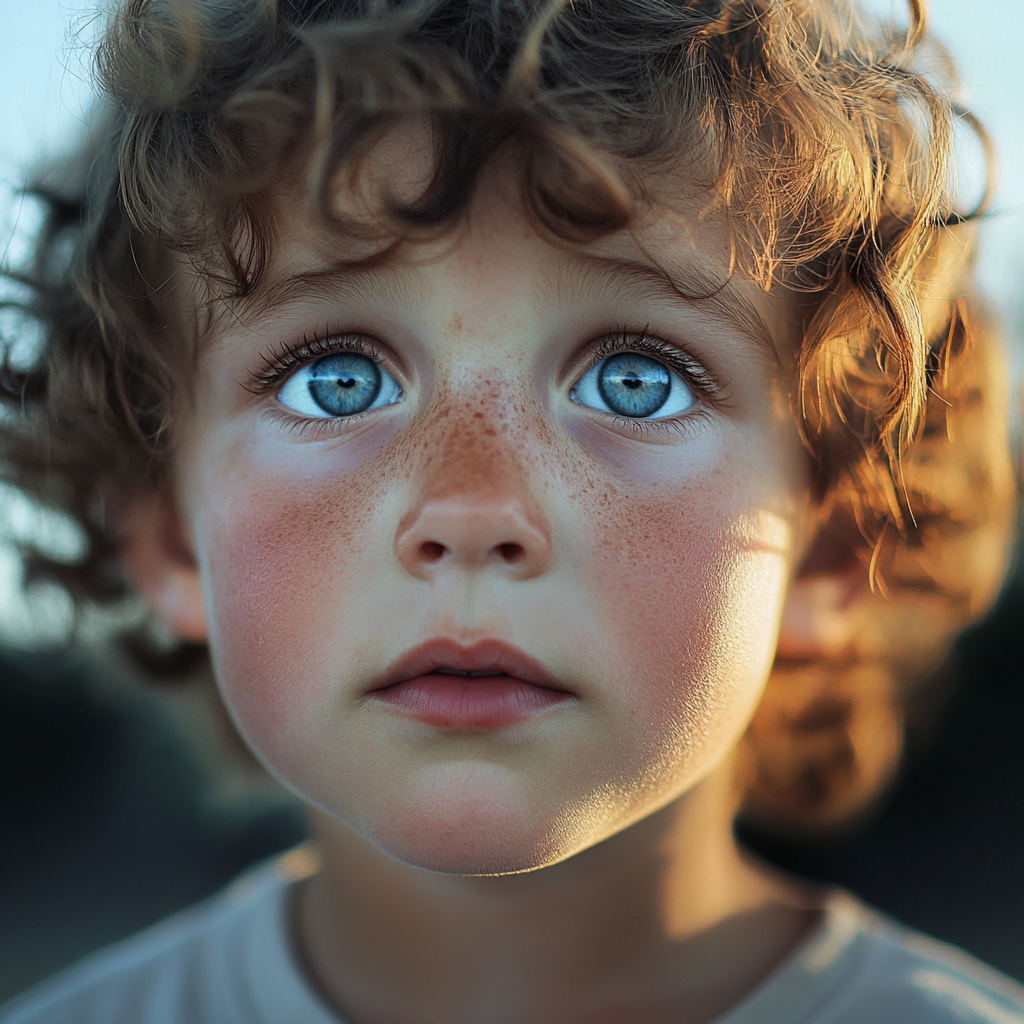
{"points": [[687, 584], [279, 553]]}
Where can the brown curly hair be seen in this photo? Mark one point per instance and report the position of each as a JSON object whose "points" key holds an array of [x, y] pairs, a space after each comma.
{"points": [[807, 121]]}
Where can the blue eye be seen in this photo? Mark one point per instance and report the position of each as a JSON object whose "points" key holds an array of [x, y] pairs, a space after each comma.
{"points": [[635, 386], [339, 385]]}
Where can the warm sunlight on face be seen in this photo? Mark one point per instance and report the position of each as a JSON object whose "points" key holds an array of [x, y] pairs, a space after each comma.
{"points": [[494, 534]]}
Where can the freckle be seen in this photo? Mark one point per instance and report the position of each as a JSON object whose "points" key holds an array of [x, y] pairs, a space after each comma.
{"points": [[456, 323]]}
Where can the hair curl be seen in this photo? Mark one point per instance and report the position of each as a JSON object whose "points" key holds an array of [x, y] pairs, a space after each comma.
{"points": [[805, 120]]}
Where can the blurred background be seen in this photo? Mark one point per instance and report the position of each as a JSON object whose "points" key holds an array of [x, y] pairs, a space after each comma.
{"points": [[119, 802]]}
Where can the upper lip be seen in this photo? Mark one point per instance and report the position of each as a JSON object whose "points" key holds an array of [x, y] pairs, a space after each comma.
{"points": [[484, 656]]}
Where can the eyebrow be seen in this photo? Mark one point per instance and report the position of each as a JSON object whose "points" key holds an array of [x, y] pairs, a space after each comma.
{"points": [[347, 280], [684, 287], [688, 288]]}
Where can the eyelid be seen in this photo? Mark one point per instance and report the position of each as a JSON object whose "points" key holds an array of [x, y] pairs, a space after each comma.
{"points": [[676, 358], [280, 362]]}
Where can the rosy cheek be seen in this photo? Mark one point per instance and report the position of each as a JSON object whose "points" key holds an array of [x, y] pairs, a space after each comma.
{"points": [[691, 620], [688, 581], [281, 551]]}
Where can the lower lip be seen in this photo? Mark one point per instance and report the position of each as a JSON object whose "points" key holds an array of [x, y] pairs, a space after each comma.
{"points": [[456, 702]]}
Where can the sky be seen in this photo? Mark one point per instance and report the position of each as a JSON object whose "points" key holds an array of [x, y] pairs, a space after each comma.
{"points": [[45, 92]]}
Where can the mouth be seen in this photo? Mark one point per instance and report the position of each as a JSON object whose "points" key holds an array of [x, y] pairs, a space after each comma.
{"points": [[483, 687], [466, 674]]}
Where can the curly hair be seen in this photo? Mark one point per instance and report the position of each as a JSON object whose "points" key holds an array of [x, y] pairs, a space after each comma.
{"points": [[808, 123]]}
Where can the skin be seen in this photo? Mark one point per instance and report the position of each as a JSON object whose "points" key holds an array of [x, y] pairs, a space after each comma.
{"points": [[578, 865]]}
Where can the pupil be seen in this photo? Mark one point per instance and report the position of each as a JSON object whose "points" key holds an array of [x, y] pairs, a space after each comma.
{"points": [[634, 385], [345, 384]]}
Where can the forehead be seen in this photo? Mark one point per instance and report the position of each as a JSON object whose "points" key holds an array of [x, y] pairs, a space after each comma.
{"points": [[678, 252]]}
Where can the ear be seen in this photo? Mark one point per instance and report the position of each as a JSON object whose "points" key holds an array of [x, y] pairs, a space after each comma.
{"points": [[824, 603], [160, 565]]}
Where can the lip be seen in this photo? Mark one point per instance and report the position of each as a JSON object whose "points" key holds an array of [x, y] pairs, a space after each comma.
{"points": [[507, 687]]}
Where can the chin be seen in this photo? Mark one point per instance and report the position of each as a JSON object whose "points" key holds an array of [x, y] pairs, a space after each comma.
{"points": [[471, 819]]}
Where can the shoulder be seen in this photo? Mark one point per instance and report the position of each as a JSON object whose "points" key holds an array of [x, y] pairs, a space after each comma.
{"points": [[907, 976], [205, 965], [860, 967]]}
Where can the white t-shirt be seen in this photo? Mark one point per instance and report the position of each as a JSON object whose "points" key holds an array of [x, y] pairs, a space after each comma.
{"points": [[229, 961]]}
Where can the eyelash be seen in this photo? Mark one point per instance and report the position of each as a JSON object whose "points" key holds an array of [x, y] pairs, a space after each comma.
{"points": [[675, 358], [280, 362], [695, 375]]}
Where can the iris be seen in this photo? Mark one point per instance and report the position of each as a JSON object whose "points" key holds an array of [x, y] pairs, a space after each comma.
{"points": [[344, 384], [633, 385]]}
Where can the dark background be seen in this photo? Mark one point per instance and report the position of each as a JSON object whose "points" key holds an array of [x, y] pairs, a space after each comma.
{"points": [[113, 814]]}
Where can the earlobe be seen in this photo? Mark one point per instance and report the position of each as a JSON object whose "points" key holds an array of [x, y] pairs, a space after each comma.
{"points": [[161, 566], [823, 608]]}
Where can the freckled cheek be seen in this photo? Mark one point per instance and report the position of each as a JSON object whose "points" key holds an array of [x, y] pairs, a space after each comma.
{"points": [[285, 563], [689, 605], [690, 546]]}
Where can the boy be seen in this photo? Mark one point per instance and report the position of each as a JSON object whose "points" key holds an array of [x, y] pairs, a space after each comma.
{"points": [[500, 390]]}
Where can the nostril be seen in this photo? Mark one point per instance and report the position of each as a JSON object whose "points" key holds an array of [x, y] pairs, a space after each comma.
{"points": [[432, 551], [511, 552], [457, 535]]}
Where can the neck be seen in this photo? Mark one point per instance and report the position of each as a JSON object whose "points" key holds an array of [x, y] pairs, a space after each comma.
{"points": [[667, 920]]}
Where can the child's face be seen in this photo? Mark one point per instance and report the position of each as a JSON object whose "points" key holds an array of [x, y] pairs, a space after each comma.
{"points": [[488, 512]]}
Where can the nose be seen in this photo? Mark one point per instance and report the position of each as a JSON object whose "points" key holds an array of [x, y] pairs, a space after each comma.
{"points": [[474, 535]]}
